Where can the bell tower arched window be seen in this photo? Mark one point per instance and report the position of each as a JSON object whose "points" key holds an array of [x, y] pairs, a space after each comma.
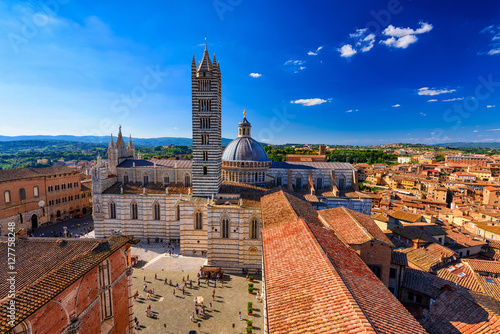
{"points": [[198, 220], [156, 211], [225, 228], [254, 229]]}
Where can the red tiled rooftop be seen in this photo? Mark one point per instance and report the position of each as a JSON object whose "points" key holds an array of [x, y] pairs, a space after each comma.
{"points": [[353, 227]]}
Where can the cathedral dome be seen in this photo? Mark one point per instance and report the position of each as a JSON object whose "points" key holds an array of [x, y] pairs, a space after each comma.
{"points": [[244, 149]]}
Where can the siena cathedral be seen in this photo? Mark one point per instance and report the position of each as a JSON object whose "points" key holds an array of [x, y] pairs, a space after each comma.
{"points": [[210, 203]]}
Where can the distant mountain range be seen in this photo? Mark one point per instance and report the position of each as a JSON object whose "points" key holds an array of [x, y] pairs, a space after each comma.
{"points": [[104, 140], [465, 145]]}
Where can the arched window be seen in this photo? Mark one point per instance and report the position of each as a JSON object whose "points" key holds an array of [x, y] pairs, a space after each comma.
{"points": [[187, 180], [133, 211], [112, 210], [198, 220], [36, 191], [22, 194], [6, 196], [145, 179], [205, 170], [278, 181], [254, 229], [319, 183], [166, 180], [125, 179], [177, 212], [224, 230], [298, 182], [341, 182], [156, 211]]}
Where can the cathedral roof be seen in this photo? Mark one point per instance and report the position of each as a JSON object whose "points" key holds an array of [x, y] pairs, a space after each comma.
{"points": [[205, 63], [244, 149]]}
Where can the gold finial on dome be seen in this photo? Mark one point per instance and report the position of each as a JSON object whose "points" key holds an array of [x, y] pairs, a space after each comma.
{"points": [[244, 112]]}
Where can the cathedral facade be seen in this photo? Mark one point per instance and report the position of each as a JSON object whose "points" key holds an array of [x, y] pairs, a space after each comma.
{"points": [[210, 203]]}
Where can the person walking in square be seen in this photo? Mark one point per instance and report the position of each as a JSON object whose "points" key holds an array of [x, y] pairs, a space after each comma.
{"points": [[239, 315]]}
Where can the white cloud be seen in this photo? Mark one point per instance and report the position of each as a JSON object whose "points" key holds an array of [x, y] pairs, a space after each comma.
{"points": [[432, 100], [396, 105], [403, 37], [175, 128], [315, 53], [310, 102], [347, 51], [400, 43], [494, 32], [295, 65], [454, 99], [490, 106], [401, 32], [295, 62], [350, 110], [255, 75], [493, 130], [423, 114], [433, 91], [475, 131], [358, 33]]}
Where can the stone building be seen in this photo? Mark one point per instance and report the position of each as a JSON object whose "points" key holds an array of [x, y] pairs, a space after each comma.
{"points": [[31, 197], [211, 203], [75, 286]]}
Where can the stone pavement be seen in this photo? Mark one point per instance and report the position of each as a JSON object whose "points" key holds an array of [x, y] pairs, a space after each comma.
{"points": [[174, 310]]}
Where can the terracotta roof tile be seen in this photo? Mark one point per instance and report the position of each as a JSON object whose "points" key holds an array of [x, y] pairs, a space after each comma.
{"points": [[353, 227], [59, 263], [317, 284]]}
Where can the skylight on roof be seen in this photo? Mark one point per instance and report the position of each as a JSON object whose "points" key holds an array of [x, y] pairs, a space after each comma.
{"points": [[460, 265], [462, 275], [489, 280], [451, 268]]}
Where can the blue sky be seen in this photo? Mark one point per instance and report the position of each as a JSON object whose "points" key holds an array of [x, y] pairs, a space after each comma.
{"points": [[334, 72]]}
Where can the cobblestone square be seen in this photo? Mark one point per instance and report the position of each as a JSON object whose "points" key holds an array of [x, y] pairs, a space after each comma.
{"points": [[172, 309]]}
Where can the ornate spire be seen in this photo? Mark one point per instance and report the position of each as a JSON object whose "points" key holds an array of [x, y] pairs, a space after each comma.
{"points": [[244, 126], [111, 143]]}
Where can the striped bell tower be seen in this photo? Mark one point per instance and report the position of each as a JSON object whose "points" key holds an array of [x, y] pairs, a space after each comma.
{"points": [[206, 104]]}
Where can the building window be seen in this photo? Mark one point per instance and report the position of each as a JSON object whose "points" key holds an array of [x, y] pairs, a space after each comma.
{"points": [[376, 270], [63, 186], [145, 180], [205, 105], [205, 155], [205, 139], [70, 185], [204, 123], [198, 220], [166, 180], [125, 179], [36, 191], [133, 211], [177, 212], [278, 181], [298, 182], [76, 184], [112, 210], [187, 180], [156, 211], [22, 194], [319, 183], [225, 228], [254, 229], [6, 196], [105, 288], [205, 170], [392, 273]]}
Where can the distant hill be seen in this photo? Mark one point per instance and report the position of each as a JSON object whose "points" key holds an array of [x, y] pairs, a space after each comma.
{"points": [[466, 145], [104, 140]]}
